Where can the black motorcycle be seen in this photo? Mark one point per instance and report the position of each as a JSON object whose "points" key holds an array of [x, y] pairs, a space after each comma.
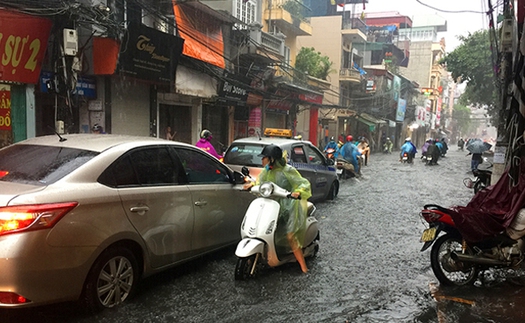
{"points": [[482, 178]]}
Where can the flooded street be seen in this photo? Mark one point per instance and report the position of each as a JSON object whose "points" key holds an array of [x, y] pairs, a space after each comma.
{"points": [[369, 267]]}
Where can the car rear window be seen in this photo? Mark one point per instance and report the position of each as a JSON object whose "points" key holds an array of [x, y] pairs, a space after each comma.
{"points": [[40, 165], [244, 154]]}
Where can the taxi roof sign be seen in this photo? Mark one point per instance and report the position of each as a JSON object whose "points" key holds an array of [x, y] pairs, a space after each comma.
{"points": [[274, 132]]}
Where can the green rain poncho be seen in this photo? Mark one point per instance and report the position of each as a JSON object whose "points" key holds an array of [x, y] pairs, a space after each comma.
{"points": [[292, 217]]}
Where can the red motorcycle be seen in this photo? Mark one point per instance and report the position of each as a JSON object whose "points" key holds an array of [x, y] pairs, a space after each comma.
{"points": [[457, 262]]}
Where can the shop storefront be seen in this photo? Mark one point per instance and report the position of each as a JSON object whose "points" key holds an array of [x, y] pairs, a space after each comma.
{"points": [[23, 41]]}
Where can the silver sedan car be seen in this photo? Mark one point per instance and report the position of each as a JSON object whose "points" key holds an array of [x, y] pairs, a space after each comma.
{"points": [[84, 217]]}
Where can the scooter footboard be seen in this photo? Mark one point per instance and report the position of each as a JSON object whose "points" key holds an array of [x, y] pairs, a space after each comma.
{"points": [[248, 247]]}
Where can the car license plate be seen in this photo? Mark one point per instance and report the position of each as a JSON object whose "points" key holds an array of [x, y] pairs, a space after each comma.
{"points": [[428, 235]]}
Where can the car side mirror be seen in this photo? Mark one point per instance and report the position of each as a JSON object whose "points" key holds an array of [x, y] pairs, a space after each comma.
{"points": [[330, 162], [245, 171], [238, 178]]}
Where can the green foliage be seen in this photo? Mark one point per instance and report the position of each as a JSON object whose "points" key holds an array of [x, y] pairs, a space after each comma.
{"points": [[471, 62], [295, 9], [313, 63], [461, 114]]}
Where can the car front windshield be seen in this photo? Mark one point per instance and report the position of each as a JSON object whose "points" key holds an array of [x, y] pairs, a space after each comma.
{"points": [[244, 155], [40, 165]]}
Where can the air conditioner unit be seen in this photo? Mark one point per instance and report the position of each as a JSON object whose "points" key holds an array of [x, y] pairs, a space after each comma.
{"points": [[70, 42]]}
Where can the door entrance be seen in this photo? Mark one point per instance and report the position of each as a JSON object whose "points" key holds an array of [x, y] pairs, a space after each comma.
{"points": [[178, 118]]}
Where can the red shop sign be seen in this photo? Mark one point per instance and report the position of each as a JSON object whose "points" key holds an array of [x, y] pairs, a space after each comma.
{"points": [[5, 110], [23, 42]]}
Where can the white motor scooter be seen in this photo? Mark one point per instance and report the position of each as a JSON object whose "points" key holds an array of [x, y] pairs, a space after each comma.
{"points": [[258, 229]]}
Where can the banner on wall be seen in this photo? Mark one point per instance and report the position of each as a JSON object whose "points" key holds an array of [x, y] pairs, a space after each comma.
{"points": [[23, 42], [401, 108], [5, 107]]}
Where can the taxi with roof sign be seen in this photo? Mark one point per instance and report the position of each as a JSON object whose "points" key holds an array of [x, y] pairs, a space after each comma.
{"points": [[301, 154]]}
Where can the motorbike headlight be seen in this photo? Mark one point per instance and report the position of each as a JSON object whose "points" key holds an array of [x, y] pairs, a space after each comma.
{"points": [[266, 189]]}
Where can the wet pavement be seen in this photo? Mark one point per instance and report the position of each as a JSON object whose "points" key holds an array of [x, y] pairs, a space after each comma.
{"points": [[369, 267]]}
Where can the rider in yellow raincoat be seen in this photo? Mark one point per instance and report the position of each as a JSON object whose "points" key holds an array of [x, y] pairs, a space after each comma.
{"points": [[292, 217]]}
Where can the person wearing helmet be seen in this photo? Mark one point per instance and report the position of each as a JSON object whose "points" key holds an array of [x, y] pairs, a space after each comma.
{"points": [[332, 145], [350, 153], [364, 149], [205, 144], [292, 222], [387, 146], [408, 148], [97, 129]]}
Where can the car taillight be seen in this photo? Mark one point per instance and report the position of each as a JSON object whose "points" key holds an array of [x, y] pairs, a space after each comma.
{"points": [[32, 217], [12, 298], [3, 173]]}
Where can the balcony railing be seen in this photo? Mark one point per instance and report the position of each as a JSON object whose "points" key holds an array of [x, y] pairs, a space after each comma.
{"points": [[355, 23], [295, 7], [350, 74]]}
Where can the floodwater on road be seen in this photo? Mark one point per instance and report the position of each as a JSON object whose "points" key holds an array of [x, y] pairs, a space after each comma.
{"points": [[369, 267]]}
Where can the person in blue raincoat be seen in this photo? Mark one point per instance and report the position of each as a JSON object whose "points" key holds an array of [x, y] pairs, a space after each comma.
{"points": [[409, 148], [332, 144], [350, 152], [439, 145], [292, 218]]}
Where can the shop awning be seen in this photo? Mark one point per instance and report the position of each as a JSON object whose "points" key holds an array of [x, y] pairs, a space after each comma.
{"points": [[372, 119], [371, 125]]}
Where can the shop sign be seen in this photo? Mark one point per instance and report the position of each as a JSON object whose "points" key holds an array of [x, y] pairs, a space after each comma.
{"points": [[86, 87], [401, 108], [5, 108], [150, 54], [231, 90], [311, 98], [23, 42]]}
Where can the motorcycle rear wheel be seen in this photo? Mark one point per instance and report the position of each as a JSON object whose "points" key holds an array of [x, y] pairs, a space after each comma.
{"points": [[243, 269], [448, 271]]}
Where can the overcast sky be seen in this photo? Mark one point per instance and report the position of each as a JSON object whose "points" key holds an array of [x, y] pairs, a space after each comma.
{"points": [[463, 16]]}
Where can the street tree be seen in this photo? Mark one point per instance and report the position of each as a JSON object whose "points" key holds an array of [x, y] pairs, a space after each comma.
{"points": [[313, 63], [462, 114], [471, 62]]}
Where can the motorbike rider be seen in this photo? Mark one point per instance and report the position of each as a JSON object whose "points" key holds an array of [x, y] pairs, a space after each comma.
{"points": [[293, 216], [364, 149], [350, 153], [332, 144], [409, 148], [433, 151], [388, 145], [461, 144], [205, 144], [424, 148]]}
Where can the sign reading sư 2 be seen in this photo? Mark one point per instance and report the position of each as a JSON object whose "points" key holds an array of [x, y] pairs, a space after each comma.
{"points": [[23, 42]]}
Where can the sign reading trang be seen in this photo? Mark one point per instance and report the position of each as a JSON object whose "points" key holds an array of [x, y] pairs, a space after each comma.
{"points": [[150, 54]]}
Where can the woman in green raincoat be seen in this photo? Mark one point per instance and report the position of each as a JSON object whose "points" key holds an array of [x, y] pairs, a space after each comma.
{"points": [[292, 217]]}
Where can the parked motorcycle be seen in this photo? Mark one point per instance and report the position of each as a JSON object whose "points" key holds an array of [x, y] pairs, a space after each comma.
{"points": [[482, 178], [258, 232], [456, 262]]}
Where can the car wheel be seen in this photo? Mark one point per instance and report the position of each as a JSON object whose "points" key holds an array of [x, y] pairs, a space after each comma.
{"points": [[112, 279], [334, 190]]}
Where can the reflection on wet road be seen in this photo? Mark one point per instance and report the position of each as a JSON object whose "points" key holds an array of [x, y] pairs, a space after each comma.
{"points": [[369, 267]]}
